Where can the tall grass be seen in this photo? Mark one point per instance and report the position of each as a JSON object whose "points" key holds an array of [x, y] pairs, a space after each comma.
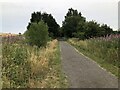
{"points": [[24, 66], [103, 50]]}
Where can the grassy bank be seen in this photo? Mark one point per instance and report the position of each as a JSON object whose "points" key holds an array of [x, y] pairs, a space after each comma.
{"points": [[103, 50], [24, 66]]}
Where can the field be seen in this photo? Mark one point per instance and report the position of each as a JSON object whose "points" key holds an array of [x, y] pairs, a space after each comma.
{"points": [[24, 66], [104, 50]]}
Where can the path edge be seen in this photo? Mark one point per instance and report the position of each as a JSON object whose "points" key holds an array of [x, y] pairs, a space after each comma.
{"points": [[92, 60]]}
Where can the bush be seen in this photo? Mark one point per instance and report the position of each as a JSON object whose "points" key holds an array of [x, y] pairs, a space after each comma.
{"points": [[37, 34]]}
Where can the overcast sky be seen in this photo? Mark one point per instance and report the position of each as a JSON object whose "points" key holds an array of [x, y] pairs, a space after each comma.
{"points": [[15, 14]]}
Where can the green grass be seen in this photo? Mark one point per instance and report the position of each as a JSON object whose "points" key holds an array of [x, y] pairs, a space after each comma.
{"points": [[99, 54], [109, 67], [26, 66]]}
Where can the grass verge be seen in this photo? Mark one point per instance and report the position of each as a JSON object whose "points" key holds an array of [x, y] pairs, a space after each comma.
{"points": [[24, 66], [102, 62]]}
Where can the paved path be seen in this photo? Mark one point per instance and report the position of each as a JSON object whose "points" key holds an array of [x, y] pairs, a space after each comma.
{"points": [[82, 72]]}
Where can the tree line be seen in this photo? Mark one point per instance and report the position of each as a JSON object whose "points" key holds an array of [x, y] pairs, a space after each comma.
{"points": [[75, 25], [43, 26]]}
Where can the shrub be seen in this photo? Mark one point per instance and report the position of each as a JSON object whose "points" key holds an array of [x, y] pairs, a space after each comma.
{"points": [[37, 34]]}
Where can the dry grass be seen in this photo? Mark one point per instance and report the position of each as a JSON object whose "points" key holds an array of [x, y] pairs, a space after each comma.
{"points": [[39, 67], [7, 34], [43, 68]]}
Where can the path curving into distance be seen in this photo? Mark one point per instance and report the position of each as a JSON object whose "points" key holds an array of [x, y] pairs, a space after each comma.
{"points": [[83, 72]]}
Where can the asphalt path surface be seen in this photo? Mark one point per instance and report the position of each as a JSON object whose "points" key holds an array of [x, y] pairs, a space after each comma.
{"points": [[83, 72]]}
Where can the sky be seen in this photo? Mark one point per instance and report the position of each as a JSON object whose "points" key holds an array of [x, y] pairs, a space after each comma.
{"points": [[15, 14]]}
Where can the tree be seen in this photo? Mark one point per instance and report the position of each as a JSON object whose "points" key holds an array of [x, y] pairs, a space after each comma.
{"points": [[75, 25], [36, 17], [52, 24], [105, 30], [53, 27], [70, 24], [92, 29], [20, 34], [37, 34]]}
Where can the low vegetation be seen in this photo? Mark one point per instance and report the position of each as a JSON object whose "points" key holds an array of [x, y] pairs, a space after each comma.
{"points": [[25, 66], [104, 50]]}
